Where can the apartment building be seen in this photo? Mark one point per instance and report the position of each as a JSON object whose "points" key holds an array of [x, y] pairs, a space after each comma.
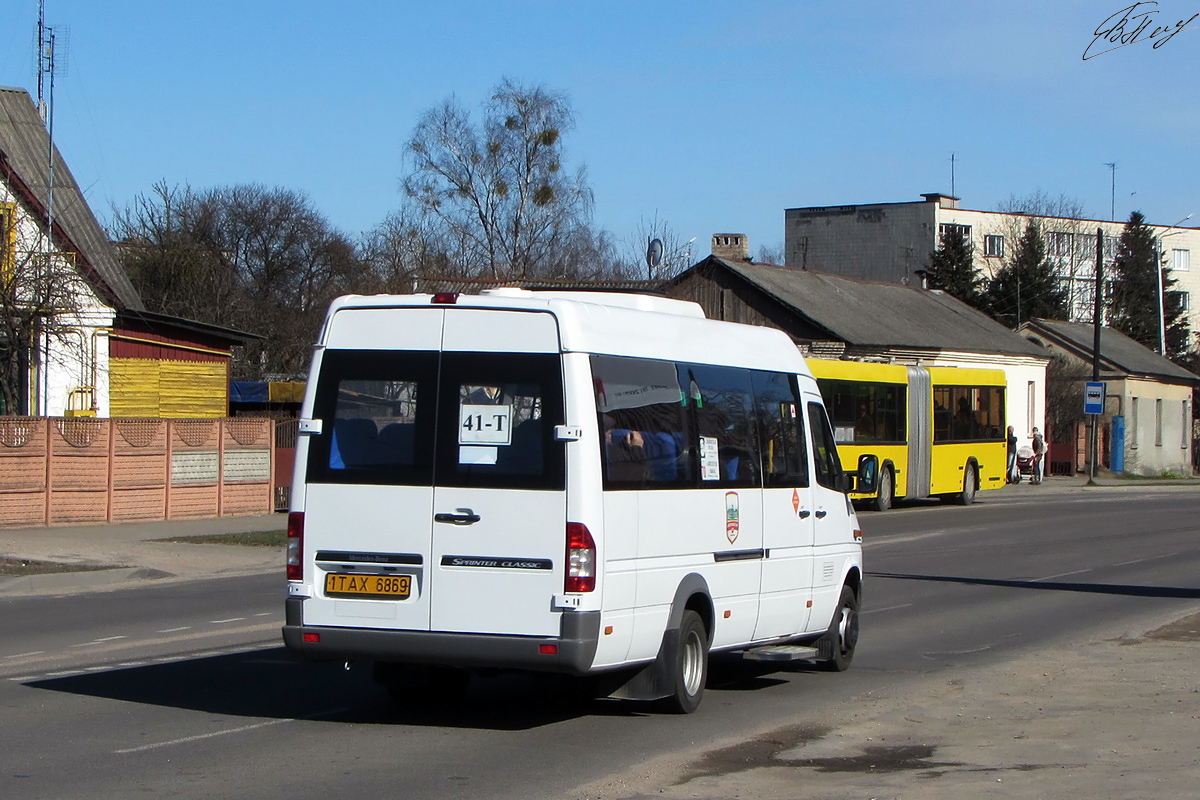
{"points": [[892, 242]]}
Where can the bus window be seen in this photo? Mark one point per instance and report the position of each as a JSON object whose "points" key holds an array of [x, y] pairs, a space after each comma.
{"points": [[780, 430], [968, 413], [865, 412]]}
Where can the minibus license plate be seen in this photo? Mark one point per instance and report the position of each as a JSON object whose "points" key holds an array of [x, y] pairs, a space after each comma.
{"points": [[386, 587]]}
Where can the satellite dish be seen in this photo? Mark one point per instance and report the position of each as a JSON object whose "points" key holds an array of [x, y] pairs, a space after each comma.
{"points": [[654, 253]]}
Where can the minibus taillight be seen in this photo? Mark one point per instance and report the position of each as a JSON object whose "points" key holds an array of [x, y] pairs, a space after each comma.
{"points": [[445, 298], [581, 559], [295, 546]]}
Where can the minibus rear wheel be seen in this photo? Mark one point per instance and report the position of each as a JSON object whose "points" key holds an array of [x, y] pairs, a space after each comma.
{"points": [[691, 665]]}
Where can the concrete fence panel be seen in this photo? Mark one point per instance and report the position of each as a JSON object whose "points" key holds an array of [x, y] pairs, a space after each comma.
{"points": [[62, 471]]}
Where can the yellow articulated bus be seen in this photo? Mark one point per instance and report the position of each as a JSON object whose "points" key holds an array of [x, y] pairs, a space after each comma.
{"points": [[937, 431]]}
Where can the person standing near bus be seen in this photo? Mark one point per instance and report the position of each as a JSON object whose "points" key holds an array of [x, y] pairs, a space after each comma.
{"points": [[1012, 455], [1039, 450]]}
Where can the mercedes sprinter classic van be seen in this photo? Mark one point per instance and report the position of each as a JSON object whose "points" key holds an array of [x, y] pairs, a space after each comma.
{"points": [[573, 482]]}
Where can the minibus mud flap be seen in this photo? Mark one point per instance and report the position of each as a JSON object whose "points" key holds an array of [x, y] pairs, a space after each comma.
{"points": [[656, 680]]}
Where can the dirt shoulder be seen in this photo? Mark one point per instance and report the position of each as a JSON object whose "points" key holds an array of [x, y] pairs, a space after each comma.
{"points": [[1114, 718]]}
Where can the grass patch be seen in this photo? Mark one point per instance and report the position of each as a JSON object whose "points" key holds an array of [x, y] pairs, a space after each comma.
{"points": [[249, 539], [27, 566], [1166, 475]]}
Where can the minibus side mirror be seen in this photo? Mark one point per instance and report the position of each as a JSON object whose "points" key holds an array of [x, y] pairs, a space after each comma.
{"points": [[865, 479]]}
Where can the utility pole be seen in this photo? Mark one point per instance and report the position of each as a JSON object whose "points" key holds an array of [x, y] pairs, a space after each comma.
{"points": [[1098, 317]]}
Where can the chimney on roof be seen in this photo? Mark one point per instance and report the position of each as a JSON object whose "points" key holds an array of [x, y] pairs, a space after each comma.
{"points": [[943, 200], [731, 246]]}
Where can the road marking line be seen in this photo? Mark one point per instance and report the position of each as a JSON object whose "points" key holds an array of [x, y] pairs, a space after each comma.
{"points": [[214, 734], [889, 608], [265, 614], [1059, 575], [1148, 558], [176, 630], [24, 655], [98, 641], [202, 736], [223, 621]]}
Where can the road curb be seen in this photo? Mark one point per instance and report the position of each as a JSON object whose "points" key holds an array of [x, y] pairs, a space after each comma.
{"points": [[78, 581]]}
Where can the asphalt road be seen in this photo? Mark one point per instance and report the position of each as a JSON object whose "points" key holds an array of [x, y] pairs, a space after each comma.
{"points": [[182, 690]]}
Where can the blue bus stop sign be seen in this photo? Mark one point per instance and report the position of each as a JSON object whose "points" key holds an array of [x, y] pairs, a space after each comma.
{"points": [[1093, 397]]}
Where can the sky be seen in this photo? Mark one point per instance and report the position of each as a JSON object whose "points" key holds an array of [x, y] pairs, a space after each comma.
{"points": [[692, 118]]}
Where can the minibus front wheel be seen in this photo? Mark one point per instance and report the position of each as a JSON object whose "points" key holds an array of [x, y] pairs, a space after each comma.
{"points": [[837, 646]]}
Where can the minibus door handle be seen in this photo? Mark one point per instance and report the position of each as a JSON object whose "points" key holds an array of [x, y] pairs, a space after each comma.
{"points": [[804, 513], [468, 517], [821, 514]]}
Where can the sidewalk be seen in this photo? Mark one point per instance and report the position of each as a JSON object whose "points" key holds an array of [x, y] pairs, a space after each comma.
{"points": [[132, 552]]}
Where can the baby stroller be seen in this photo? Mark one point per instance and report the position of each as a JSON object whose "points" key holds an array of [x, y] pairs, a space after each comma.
{"points": [[1027, 463]]}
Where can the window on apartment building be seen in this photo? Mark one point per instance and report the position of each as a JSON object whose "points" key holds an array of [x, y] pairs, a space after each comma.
{"points": [[1060, 243], [993, 245], [1181, 260], [1178, 301], [949, 227]]}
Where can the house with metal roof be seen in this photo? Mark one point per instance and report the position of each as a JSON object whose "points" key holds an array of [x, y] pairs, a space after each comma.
{"points": [[1147, 427], [75, 337], [829, 316]]}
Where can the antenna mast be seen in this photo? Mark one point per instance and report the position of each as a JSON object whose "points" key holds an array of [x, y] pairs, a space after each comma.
{"points": [[50, 60], [1112, 210]]}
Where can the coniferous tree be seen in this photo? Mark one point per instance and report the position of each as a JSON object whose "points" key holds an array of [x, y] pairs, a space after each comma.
{"points": [[1133, 304], [1026, 286], [952, 267]]}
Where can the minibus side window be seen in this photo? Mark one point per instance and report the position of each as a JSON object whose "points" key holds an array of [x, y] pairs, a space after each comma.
{"points": [[825, 457], [643, 424], [722, 400], [781, 430]]}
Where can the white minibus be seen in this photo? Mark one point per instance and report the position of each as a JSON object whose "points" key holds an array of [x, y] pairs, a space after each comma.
{"points": [[578, 482]]}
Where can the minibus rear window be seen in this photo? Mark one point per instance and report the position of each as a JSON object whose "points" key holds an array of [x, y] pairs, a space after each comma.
{"points": [[496, 419], [377, 408]]}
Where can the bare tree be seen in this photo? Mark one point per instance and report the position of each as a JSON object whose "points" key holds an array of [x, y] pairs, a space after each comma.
{"points": [[498, 191], [676, 255], [1040, 204], [770, 255], [42, 309], [257, 259]]}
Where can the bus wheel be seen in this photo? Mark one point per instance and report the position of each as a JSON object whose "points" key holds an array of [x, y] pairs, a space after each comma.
{"points": [[691, 665], [842, 637], [883, 500], [968, 491]]}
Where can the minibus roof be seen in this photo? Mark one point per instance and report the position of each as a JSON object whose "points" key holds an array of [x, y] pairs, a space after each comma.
{"points": [[621, 324]]}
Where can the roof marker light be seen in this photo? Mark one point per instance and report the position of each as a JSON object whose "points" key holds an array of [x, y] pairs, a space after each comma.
{"points": [[445, 299]]}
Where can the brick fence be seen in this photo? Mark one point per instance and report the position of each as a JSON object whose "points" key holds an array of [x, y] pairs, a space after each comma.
{"points": [[63, 471]]}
